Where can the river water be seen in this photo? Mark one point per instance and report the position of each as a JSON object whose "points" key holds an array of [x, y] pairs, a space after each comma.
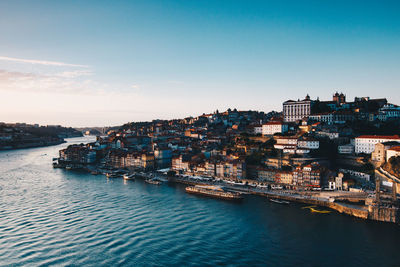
{"points": [[57, 217]]}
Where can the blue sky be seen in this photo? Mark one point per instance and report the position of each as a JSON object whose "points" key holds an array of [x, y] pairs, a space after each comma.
{"points": [[97, 63]]}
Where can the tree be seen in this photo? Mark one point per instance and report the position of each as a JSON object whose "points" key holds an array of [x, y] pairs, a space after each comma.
{"points": [[393, 166]]}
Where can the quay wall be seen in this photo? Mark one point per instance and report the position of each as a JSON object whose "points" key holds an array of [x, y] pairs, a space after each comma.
{"points": [[359, 213], [384, 214], [377, 213]]}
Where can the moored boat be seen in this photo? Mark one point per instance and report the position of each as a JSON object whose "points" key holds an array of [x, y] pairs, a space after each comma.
{"points": [[319, 211], [113, 175], [279, 201], [153, 181], [129, 176], [213, 191]]}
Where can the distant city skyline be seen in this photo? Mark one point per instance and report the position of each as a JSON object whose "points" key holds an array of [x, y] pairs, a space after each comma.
{"points": [[101, 63]]}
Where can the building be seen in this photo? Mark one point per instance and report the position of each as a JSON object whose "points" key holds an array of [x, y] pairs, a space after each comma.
{"points": [[392, 152], [330, 134], [322, 117], [257, 129], [119, 158], [366, 143], [296, 110], [283, 142], [339, 98], [274, 127], [233, 169], [295, 145], [284, 177], [378, 156], [181, 163], [346, 149], [309, 175], [339, 181], [308, 143], [266, 175], [389, 111], [77, 154]]}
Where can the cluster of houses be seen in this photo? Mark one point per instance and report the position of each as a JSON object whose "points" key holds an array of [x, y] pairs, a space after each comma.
{"points": [[284, 148]]}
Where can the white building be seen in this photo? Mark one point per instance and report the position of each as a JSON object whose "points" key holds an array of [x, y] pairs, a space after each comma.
{"points": [[308, 143], [346, 149], [294, 145], [322, 117], [286, 142], [392, 152], [273, 127], [296, 110], [258, 129], [366, 143]]}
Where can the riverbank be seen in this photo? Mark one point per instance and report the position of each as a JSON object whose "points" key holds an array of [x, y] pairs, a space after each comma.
{"points": [[23, 145], [345, 202], [366, 212]]}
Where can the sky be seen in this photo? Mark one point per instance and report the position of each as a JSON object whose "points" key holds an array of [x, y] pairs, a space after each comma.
{"points": [[105, 63]]}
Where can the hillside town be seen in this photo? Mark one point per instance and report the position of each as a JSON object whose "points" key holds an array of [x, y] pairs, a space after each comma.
{"points": [[311, 146]]}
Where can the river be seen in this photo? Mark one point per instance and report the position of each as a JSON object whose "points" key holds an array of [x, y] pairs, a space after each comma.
{"points": [[57, 217]]}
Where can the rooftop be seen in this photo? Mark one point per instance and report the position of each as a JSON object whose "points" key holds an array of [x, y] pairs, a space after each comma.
{"points": [[378, 137]]}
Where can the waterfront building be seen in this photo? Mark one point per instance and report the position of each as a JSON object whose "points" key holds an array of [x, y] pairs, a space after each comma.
{"points": [[339, 181], [210, 168], [266, 175], [233, 169], [181, 163], [119, 158], [366, 143], [284, 177], [308, 175], [77, 154]]}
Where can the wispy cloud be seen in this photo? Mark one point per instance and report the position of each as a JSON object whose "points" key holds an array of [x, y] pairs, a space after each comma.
{"points": [[42, 62], [76, 83], [74, 74]]}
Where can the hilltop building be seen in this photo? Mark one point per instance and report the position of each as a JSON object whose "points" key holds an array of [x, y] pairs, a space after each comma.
{"points": [[296, 110]]}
